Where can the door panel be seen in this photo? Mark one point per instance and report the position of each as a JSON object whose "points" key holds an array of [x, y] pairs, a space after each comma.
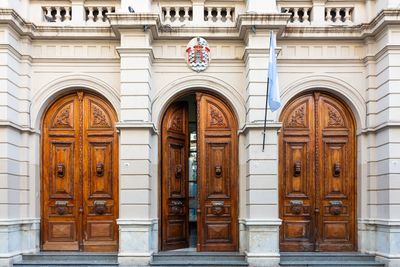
{"points": [[175, 145], [317, 175], [72, 178], [217, 172]]}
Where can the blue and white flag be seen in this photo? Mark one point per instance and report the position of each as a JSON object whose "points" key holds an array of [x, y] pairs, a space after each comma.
{"points": [[274, 98]]}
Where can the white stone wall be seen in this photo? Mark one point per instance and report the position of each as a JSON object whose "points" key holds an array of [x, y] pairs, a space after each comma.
{"points": [[140, 70]]}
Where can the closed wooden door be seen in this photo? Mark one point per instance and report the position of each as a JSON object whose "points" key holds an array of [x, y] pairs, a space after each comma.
{"points": [[79, 175], [217, 218], [175, 143], [317, 175]]}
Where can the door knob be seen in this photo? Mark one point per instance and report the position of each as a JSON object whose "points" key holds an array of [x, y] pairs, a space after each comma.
{"points": [[61, 170]]}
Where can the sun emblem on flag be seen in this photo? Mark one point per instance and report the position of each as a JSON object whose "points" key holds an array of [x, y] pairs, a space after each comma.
{"points": [[198, 54]]}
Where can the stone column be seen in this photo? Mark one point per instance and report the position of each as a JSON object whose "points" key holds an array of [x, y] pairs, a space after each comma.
{"points": [[261, 6], [381, 230], [78, 12], [198, 12], [262, 220], [136, 130], [318, 12], [18, 226]]}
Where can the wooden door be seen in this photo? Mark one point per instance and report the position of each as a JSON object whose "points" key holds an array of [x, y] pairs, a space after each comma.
{"points": [[79, 175], [317, 175], [175, 144], [217, 220]]}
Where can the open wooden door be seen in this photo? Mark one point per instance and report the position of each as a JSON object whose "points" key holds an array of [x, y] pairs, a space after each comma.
{"points": [[175, 144], [217, 176]]}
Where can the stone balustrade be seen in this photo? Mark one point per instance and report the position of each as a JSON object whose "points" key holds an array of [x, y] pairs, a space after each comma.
{"points": [[219, 15], [300, 16], [339, 15], [57, 14], [97, 14], [177, 15]]}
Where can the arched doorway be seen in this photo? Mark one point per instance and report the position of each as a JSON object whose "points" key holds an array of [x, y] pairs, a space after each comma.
{"points": [[79, 175], [199, 184], [317, 175]]}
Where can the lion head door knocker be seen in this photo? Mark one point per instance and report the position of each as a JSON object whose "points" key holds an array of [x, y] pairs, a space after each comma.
{"points": [[60, 170], [218, 208], [335, 207], [99, 169], [178, 171], [296, 207], [61, 207], [218, 171], [100, 207], [336, 169]]}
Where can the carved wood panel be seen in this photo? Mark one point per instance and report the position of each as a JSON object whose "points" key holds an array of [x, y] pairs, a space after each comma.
{"points": [[217, 175], [175, 144], [317, 175], [79, 195]]}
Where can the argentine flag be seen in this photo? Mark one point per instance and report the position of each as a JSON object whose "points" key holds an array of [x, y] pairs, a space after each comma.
{"points": [[274, 98]]}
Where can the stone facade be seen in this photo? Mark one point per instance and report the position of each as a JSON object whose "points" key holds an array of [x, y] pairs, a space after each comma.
{"points": [[137, 62]]}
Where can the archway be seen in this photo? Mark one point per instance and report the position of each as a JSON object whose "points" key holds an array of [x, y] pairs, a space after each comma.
{"points": [[199, 175], [317, 174]]}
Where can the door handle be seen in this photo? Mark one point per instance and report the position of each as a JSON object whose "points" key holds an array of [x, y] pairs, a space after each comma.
{"points": [[297, 168], [336, 169], [61, 170], [100, 169]]}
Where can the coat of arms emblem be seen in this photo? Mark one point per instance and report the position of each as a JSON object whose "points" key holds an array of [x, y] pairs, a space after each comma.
{"points": [[198, 54]]}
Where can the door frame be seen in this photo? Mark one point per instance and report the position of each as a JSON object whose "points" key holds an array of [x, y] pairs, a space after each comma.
{"points": [[175, 98], [43, 114], [355, 141]]}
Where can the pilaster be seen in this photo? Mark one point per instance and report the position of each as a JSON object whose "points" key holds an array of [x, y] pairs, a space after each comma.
{"points": [[262, 221]]}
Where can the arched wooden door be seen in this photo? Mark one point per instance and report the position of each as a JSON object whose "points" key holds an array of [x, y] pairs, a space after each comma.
{"points": [[317, 175], [217, 215], [79, 175]]}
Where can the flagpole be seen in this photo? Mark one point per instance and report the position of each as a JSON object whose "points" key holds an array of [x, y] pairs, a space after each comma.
{"points": [[265, 116]]}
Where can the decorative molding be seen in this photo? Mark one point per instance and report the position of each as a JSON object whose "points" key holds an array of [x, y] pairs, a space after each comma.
{"points": [[260, 222]]}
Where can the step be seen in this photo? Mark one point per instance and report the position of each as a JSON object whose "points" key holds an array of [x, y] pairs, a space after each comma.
{"points": [[316, 256], [199, 263], [84, 259], [189, 258], [331, 264], [328, 259]]}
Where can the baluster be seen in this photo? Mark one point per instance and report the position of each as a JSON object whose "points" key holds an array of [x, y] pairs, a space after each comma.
{"points": [[305, 16], [228, 14], [68, 13], [176, 17], [296, 15], [100, 16], [328, 17], [90, 15], [347, 18], [58, 14], [219, 15], [209, 14], [337, 15], [168, 15], [47, 12], [187, 16]]}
